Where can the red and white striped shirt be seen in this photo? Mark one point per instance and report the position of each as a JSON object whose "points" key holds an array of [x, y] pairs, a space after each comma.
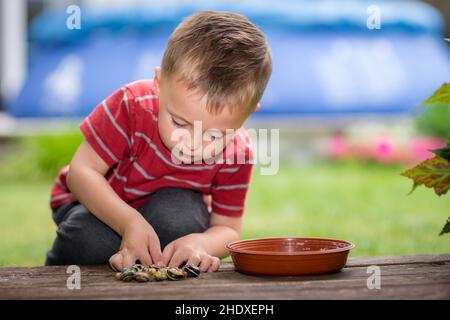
{"points": [[123, 130]]}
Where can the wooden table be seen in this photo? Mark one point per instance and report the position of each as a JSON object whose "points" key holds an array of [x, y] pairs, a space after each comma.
{"points": [[408, 277]]}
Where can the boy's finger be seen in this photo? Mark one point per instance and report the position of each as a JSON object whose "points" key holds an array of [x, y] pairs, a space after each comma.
{"points": [[116, 262], [215, 265], [167, 253], [145, 258], [155, 251], [112, 263], [205, 263], [128, 260], [194, 261], [177, 258]]}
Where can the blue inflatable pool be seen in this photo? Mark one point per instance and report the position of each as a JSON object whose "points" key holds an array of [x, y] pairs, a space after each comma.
{"points": [[325, 59]]}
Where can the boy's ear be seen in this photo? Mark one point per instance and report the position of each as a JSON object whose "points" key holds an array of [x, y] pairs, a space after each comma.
{"points": [[157, 79], [257, 107]]}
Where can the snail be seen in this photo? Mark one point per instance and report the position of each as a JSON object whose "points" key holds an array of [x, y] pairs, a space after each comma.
{"points": [[140, 273]]}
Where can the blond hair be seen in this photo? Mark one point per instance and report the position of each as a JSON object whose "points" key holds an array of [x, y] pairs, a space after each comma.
{"points": [[222, 55]]}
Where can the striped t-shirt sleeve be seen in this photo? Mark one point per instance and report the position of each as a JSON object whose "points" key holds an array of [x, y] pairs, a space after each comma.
{"points": [[230, 188], [108, 129]]}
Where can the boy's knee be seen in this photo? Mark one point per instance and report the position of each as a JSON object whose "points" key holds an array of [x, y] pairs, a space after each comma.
{"points": [[176, 212], [83, 239]]}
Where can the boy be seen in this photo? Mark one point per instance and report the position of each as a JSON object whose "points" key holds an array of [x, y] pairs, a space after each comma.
{"points": [[134, 189]]}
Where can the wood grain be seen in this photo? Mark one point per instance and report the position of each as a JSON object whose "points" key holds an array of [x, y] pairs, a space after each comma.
{"points": [[409, 277]]}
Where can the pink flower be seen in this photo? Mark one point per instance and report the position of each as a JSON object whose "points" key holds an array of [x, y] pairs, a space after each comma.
{"points": [[338, 147], [383, 150]]}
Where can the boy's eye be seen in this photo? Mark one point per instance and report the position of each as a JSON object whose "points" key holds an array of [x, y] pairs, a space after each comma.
{"points": [[215, 136], [218, 137], [177, 124]]}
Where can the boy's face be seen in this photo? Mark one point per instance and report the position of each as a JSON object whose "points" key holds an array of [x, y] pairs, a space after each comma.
{"points": [[186, 127]]}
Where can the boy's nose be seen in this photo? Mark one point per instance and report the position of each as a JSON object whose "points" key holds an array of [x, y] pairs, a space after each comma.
{"points": [[192, 145]]}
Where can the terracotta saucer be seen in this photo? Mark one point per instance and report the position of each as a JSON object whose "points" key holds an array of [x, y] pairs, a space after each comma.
{"points": [[289, 256]]}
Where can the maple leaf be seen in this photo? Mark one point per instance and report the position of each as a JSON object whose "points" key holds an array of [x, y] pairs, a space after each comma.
{"points": [[443, 152], [433, 173], [446, 228], [442, 95]]}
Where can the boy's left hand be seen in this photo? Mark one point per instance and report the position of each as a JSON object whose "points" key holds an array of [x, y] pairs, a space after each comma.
{"points": [[190, 248]]}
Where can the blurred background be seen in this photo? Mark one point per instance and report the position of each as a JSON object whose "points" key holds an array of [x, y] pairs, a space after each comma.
{"points": [[346, 91]]}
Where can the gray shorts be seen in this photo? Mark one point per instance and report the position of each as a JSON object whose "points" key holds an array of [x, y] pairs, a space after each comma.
{"points": [[82, 239]]}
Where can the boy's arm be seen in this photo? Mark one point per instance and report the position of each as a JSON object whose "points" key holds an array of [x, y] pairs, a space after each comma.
{"points": [[207, 248], [86, 181], [221, 225], [222, 231]]}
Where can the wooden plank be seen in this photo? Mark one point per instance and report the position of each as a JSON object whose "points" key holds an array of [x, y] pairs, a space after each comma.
{"points": [[414, 280], [367, 261], [346, 277]]}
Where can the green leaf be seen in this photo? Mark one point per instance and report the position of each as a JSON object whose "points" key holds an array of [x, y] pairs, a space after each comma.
{"points": [[446, 228], [443, 152], [442, 95], [433, 173], [415, 185]]}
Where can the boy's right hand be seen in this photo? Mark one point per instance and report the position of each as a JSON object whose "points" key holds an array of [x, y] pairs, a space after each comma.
{"points": [[139, 242]]}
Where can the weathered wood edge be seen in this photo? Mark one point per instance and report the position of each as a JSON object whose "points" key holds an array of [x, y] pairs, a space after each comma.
{"points": [[352, 262], [392, 260]]}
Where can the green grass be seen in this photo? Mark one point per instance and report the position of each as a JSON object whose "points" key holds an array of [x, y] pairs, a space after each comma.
{"points": [[26, 227], [365, 204], [38, 157]]}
